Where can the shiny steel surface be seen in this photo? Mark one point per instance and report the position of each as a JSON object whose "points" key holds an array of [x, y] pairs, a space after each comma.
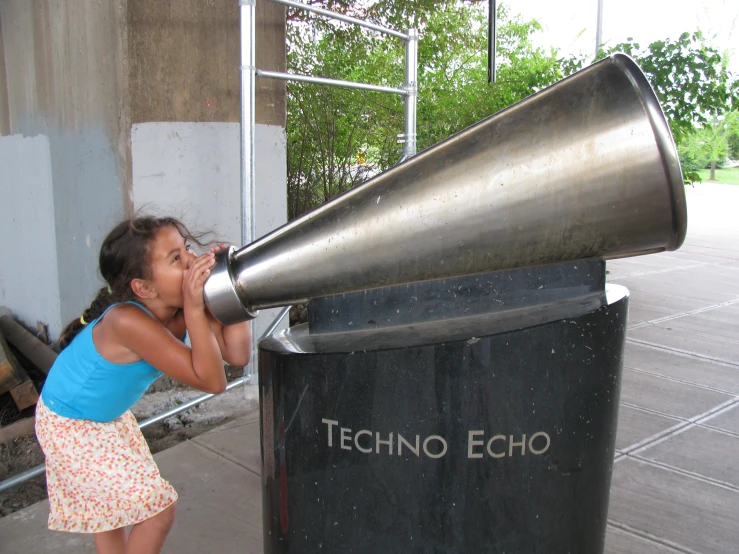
{"points": [[585, 168], [220, 295]]}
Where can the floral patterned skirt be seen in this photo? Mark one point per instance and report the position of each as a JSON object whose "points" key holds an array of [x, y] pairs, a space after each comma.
{"points": [[100, 476]]}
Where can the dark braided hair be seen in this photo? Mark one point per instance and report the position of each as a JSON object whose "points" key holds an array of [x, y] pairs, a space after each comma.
{"points": [[124, 256]]}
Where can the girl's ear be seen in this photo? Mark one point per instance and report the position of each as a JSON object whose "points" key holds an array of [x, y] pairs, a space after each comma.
{"points": [[143, 288]]}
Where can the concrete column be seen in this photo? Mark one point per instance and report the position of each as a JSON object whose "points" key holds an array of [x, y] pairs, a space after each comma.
{"points": [[89, 80], [183, 59], [63, 75]]}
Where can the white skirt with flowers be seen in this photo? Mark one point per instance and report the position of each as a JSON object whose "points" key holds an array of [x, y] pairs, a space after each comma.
{"points": [[100, 476]]}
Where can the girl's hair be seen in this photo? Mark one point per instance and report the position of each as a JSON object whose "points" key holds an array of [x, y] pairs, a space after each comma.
{"points": [[124, 256]]}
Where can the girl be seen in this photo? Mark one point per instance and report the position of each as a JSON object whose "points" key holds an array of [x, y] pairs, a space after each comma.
{"points": [[100, 474]]}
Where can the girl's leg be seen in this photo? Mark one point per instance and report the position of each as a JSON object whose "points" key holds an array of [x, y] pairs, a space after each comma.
{"points": [[148, 536], [111, 542]]}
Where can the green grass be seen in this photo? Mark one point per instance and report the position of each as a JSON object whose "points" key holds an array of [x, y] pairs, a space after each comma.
{"points": [[727, 176]]}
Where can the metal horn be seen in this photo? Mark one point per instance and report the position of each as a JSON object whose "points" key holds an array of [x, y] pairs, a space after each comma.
{"points": [[585, 168]]}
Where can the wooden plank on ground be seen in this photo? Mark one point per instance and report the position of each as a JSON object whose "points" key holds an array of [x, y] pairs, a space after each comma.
{"points": [[36, 352], [14, 378], [11, 372], [24, 395]]}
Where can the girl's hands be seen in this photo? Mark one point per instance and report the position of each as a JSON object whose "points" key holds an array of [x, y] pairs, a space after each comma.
{"points": [[194, 278]]}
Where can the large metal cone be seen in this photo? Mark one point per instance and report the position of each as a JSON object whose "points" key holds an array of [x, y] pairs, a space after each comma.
{"points": [[585, 168]]}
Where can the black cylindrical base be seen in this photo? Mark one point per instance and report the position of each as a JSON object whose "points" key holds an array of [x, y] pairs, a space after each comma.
{"points": [[497, 443]]}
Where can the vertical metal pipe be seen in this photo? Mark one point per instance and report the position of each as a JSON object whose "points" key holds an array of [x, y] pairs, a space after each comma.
{"points": [[492, 39], [248, 76], [599, 28], [411, 85], [247, 9]]}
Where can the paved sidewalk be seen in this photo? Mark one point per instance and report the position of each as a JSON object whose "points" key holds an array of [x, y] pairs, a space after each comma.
{"points": [[676, 475], [675, 483], [219, 511]]}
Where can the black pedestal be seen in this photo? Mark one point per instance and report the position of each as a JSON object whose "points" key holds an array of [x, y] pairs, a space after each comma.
{"points": [[492, 430]]}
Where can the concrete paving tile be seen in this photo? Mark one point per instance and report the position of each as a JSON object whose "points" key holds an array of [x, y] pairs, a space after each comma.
{"points": [[623, 268], [728, 421], [670, 304], [251, 417], [677, 366], [668, 397], [677, 286], [698, 253], [240, 444], [711, 249], [25, 531], [726, 314], [685, 255], [647, 309], [687, 512], [219, 509], [699, 248], [647, 265], [706, 346], [715, 274], [619, 541], [705, 324], [662, 263], [714, 279], [702, 451], [635, 425]]}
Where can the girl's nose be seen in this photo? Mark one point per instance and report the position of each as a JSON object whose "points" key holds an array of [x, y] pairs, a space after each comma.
{"points": [[190, 257]]}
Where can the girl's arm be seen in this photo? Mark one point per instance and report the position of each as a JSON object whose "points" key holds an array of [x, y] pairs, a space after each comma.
{"points": [[206, 353], [233, 340]]}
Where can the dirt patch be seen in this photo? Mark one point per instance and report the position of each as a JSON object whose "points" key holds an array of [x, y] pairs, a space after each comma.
{"points": [[23, 453]]}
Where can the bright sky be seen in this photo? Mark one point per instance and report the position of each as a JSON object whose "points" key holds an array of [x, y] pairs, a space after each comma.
{"points": [[570, 24]]}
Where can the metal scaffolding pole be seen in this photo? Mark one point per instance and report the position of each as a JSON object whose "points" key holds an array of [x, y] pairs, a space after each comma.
{"points": [[247, 12], [599, 28], [329, 82], [340, 17], [411, 86]]}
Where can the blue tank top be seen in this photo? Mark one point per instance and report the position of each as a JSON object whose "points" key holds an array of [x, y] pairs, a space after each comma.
{"points": [[83, 385]]}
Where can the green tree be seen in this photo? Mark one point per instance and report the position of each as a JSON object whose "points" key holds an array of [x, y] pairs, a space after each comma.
{"points": [[331, 130], [689, 76], [709, 146], [732, 131]]}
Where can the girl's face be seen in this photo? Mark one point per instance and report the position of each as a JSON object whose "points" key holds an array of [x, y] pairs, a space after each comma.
{"points": [[170, 256]]}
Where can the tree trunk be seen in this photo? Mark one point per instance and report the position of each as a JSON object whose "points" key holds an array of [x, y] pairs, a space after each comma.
{"points": [[713, 172]]}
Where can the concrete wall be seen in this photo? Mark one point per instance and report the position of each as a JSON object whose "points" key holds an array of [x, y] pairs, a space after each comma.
{"points": [[76, 76], [28, 281], [64, 76], [184, 58], [192, 171]]}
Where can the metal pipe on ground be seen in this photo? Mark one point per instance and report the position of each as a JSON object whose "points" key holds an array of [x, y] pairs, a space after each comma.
{"points": [[39, 354]]}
